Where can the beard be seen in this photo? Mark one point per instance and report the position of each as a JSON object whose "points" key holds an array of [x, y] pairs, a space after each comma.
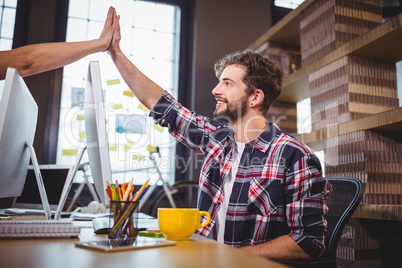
{"points": [[234, 110]]}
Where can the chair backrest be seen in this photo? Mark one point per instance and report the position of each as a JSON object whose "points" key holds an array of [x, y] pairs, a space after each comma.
{"points": [[343, 201]]}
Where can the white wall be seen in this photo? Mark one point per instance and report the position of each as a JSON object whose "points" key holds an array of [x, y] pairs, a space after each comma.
{"points": [[221, 27]]}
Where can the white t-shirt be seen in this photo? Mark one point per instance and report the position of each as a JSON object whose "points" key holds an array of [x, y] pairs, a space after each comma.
{"points": [[227, 186]]}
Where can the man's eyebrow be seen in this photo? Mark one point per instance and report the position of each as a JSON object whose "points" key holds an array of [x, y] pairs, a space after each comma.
{"points": [[228, 79]]}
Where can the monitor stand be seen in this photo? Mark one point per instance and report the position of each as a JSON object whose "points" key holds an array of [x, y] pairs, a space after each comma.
{"points": [[68, 184], [39, 180], [82, 167]]}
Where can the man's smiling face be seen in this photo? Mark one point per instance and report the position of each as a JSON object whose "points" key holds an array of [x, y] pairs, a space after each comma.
{"points": [[230, 94]]}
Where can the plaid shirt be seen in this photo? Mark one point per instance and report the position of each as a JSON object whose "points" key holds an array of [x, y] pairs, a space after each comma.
{"points": [[278, 189]]}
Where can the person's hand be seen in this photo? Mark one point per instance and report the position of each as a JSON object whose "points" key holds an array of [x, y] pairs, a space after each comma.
{"points": [[108, 29], [115, 44]]}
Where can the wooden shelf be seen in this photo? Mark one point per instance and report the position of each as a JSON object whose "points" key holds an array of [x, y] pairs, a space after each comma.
{"points": [[383, 42], [389, 123], [379, 212], [285, 31]]}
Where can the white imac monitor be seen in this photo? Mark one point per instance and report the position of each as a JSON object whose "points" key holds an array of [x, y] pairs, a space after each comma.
{"points": [[95, 129], [18, 118]]}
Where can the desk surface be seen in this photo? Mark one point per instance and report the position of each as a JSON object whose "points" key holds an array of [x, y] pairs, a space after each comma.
{"points": [[197, 252]]}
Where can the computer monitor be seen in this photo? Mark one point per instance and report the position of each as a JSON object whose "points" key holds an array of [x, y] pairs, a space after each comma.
{"points": [[54, 178], [18, 118], [95, 129], [96, 136]]}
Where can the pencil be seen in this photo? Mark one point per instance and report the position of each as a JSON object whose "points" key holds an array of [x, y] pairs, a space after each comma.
{"points": [[109, 190], [140, 191], [118, 191], [128, 190]]}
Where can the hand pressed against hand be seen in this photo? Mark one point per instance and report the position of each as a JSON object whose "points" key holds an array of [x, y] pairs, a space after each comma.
{"points": [[108, 28]]}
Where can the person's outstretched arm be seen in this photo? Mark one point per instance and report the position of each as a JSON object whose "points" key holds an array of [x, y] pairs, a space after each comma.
{"points": [[33, 59], [147, 92]]}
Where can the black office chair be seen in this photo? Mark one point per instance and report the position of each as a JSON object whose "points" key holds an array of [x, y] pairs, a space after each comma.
{"points": [[343, 201]]}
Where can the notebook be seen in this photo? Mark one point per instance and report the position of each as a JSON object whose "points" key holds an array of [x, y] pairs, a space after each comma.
{"points": [[38, 229]]}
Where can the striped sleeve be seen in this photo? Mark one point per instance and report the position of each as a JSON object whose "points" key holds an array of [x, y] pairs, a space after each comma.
{"points": [[306, 191], [186, 126]]}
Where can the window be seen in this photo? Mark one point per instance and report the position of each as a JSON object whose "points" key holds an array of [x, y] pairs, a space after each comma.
{"points": [[399, 81], [288, 3], [150, 39], [304, 116], [7, 19]]}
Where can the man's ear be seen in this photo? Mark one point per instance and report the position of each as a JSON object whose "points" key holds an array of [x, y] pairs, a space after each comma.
{"points": [[257, 97]]}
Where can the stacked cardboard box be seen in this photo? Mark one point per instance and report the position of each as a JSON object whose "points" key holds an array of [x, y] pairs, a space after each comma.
{"points": [[365, 242], [357, 248], [327, 24], [347, 89], [376, 160], [351, 88], [329, 94]]}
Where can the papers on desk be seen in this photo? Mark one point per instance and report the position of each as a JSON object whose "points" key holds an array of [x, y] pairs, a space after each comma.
{"points": [[38, 229], [80, 216]]}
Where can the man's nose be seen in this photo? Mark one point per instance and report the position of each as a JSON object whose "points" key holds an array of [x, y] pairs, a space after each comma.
{"points": [[216, 90]]}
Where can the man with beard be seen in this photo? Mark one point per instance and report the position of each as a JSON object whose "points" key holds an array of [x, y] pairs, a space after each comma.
{"points": [[263, 188]]}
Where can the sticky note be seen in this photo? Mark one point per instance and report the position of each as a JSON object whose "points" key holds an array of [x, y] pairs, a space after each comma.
{"points": [[82, 135], [113, 82], [152, 149], [128, 146], [116, 106], [128, 93], [70, 152], [113, 147], [159, 127], [138, 157], [143, 108], [80, 117]]}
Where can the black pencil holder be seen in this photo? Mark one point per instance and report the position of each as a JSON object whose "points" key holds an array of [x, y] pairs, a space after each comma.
{"points": [[123, 219]]}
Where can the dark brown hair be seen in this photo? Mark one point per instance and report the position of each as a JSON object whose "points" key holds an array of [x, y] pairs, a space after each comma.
{"points": [[261, 74]]}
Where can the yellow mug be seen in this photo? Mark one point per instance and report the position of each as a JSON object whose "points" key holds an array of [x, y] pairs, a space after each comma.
{"points": [[180, 223]]}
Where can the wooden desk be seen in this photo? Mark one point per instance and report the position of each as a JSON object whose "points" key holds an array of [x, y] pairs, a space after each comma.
{"points": [[52, 253]]}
